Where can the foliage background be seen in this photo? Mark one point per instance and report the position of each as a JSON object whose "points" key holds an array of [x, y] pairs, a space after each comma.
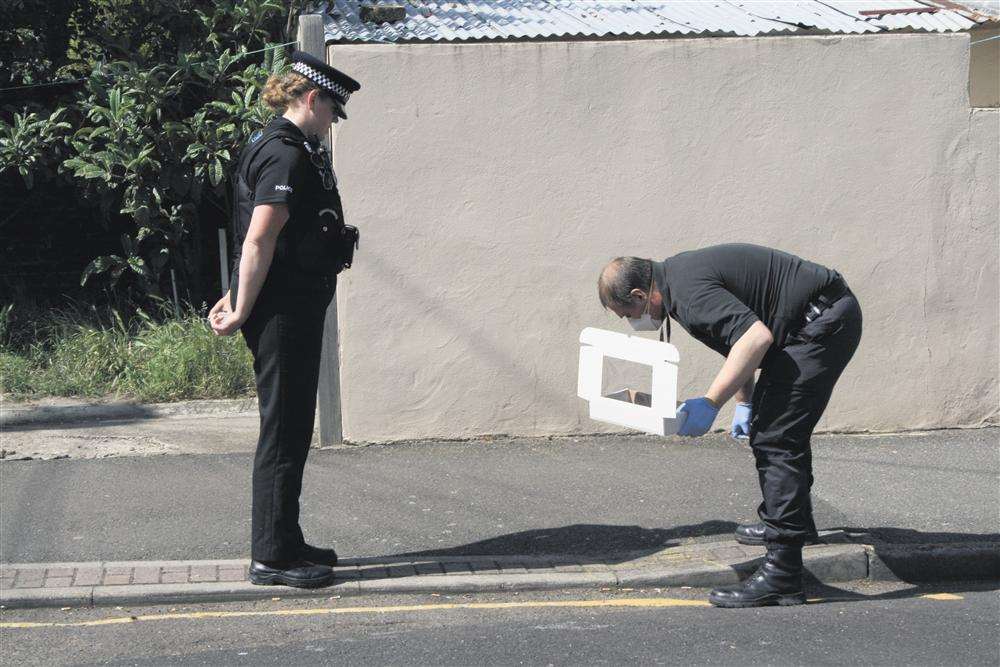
{"points": [[114, 181], [122, 175]]}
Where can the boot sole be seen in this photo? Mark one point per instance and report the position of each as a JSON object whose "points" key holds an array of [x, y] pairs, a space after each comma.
{"points": [[282, 580], [767, 601], [759, 542]]}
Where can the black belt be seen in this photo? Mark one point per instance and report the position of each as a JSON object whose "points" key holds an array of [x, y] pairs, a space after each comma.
{"points": [[828, 296], [305, 282]]}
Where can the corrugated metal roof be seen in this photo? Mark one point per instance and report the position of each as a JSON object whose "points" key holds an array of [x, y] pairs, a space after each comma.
{"points": [[465, 20]]}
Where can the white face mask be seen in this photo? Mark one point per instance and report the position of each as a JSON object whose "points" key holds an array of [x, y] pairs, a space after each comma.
{"points": [[645, 323]]}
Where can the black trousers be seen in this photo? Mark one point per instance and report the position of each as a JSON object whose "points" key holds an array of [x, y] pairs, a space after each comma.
{"points": [[285, 335], [793, 390]]}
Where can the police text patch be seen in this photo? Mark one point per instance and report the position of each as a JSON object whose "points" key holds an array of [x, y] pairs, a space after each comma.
{"points": [[283, 188]]}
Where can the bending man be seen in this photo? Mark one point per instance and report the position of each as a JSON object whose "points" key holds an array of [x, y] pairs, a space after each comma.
{"points": [[760, 308]]}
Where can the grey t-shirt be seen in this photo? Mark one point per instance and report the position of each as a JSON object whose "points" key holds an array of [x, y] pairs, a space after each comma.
{"points": [[717, 293]]}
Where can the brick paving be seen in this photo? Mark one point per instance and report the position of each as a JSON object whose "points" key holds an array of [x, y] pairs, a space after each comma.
{"points": [[39, 584], [38, 575]]}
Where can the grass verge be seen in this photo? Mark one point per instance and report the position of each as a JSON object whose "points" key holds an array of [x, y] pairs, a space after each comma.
{"points": [[79, 353]]}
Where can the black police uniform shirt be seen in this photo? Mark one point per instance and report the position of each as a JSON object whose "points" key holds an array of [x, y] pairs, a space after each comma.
{"points": [[718, 293], [281, 172], [278, 170]]}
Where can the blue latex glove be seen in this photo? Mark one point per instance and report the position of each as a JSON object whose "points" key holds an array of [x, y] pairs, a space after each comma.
{"points": [[700, 415], [741, 421]]}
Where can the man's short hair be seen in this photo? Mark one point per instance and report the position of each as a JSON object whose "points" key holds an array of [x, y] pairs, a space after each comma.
{"points": [[620, 277]]}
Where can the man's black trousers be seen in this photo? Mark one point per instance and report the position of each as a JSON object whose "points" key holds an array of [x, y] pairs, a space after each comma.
{"points": [[285, 335], [793, 390]]}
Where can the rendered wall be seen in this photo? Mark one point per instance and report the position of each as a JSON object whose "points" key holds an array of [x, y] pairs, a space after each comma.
{"points": [[492, 181], [984, 68]]}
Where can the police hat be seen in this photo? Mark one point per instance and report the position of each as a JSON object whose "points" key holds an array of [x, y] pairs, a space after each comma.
{"points": [[334, 82]]}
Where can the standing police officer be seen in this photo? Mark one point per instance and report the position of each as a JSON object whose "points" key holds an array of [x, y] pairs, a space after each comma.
{"points": [[291, 241], [760, 308]]}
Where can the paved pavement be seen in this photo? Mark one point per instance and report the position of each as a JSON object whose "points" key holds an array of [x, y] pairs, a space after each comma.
{"points": [[28, 585], [604, 500]]}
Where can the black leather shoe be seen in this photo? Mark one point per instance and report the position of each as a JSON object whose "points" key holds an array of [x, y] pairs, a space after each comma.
{"points": [[777, 581], [753, 535], [296, 573], [318, 555]]}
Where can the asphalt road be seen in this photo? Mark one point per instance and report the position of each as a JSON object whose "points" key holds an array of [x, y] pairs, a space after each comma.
{"points": [[870, 625], [589, 496]]}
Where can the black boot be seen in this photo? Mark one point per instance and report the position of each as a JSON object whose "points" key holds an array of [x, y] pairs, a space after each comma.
{"points": [[753, 535], [777, 581], [297, 573], [318, 555]]}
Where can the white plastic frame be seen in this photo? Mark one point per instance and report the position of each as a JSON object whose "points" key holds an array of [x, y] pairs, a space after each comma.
{"points": [[660, 418]]}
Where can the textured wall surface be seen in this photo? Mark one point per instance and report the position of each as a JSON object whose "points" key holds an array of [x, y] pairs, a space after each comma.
{"points": [[492, 181], [984, 73]]}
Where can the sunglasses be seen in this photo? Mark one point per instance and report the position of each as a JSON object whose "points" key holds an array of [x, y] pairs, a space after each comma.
{"points": [[321, 160]]}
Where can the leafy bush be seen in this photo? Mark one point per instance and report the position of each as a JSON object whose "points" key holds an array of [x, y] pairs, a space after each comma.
{"points": [[152, 132], [32, 144], [145, 132]]}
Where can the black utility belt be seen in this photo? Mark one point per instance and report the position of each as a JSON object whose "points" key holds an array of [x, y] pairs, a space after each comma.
{"points": [[301, 281], [828, 296]]}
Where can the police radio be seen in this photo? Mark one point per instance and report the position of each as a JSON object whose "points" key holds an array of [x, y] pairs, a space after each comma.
{"points": [[351, 241]]}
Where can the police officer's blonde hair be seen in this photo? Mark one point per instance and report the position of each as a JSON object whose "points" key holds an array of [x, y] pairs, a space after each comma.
{"points": [[281, 89]]}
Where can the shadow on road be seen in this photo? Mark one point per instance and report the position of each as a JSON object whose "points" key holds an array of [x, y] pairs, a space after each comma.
{"points": [[588, 543], [577, 544], [911, 556], [918, 556], [820, 593], [900, 536]]}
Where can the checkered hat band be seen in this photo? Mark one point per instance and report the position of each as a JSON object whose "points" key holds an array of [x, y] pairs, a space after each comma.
{"points": [[323, 80]]}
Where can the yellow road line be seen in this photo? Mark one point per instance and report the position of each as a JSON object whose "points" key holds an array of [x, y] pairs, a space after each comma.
{"points": [[632, 602], [199, 615]]}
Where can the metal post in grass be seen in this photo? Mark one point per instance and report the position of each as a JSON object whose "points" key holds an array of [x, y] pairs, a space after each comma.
{"points": [[312, 39], [223, 264], [177, 303]]}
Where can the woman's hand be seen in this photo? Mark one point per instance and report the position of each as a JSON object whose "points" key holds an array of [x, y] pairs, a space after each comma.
{"points": [[225, 322], [222, 319], [220, 306]]}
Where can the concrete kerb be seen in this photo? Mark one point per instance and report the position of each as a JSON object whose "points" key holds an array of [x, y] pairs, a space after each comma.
{"points": [[951, 561], [41, 415], [692, 566]]}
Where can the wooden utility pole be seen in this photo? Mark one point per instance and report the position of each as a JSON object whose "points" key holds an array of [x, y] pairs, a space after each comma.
{"points": [[312, 40]]}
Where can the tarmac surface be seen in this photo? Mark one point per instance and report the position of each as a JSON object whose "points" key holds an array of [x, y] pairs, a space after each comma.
{"points": [[866, 624], [926, 504], [591, 495]]}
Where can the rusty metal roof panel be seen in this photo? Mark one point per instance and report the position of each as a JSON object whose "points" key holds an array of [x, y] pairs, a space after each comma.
{"points": [[919, 16], [465, 20]]}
